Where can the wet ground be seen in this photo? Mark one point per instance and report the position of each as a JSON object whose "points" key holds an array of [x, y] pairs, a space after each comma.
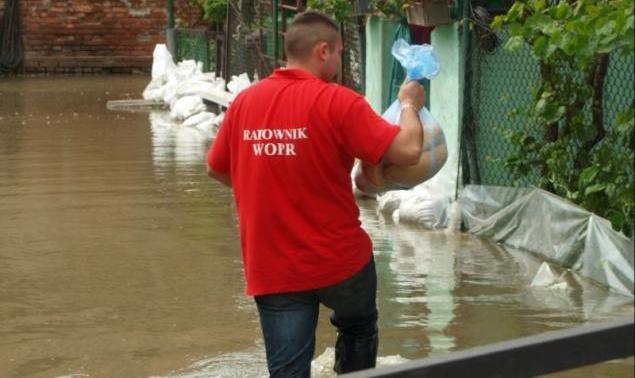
{"points": [[119, 257]]}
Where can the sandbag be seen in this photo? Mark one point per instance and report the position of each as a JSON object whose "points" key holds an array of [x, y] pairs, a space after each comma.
{"points": [[424, 209], [162, 63], [238, 83], [203, 121], [186, 107]]}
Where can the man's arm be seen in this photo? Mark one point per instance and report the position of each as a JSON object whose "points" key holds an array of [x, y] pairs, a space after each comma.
{"points": [[223, 178], [405, 148]]}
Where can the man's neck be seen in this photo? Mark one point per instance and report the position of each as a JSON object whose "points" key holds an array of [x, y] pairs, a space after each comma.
{"points": [[304, 67]]}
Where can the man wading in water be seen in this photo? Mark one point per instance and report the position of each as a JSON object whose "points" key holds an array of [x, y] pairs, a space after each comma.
{"points": [[287, 147]]}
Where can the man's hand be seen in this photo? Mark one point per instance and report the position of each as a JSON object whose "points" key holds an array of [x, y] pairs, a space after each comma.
{"points": [[411, 92]]}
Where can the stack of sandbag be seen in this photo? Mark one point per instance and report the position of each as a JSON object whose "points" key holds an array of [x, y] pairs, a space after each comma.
{"points": [[183, 86]]}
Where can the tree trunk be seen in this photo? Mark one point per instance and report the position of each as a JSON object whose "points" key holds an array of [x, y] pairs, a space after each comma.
{"points": [[596, 78], [550, 132]]}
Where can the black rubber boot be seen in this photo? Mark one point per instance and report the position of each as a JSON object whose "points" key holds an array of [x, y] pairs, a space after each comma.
{"points": [[354, 353]]}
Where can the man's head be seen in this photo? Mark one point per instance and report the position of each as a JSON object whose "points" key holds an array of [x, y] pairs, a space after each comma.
{"points": [[313, 42]]}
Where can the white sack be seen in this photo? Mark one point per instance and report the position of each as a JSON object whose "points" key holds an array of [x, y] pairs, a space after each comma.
{"points": [[424, 209], [203, 121], [154, 91], [238, 83], [162, 63], [187, 106]]}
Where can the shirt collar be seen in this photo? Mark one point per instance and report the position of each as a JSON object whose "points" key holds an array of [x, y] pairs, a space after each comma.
{"points": [[292, 73]]}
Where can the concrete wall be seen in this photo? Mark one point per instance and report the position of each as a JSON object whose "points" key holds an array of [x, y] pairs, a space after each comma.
{"points": [[71, 36], [379, 40], [445, 98]]}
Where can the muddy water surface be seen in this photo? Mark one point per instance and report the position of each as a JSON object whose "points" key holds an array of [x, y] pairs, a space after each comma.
{"points": [[120, 258]]}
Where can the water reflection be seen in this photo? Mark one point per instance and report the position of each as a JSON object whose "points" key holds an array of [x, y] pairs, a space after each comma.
{"points": [[176, 144], [425, 273], [451, 291]]}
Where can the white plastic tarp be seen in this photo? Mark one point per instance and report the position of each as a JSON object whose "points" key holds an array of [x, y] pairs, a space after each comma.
{"points": [[554, 228]]}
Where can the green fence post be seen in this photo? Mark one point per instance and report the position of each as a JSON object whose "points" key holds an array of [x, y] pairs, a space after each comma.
{"points": [[170, 37]]}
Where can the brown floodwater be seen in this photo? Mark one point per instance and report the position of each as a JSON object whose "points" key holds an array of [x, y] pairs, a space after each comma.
{"points": [[119, 257]]}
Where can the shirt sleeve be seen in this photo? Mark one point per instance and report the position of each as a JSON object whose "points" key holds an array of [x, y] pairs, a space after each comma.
{"points": [[364, 134], [218, 157]]}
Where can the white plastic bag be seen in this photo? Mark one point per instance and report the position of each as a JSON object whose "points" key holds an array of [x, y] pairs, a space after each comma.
{"points": [[238, 83], [154, 91], [162, 63], [187, 106], [202, 121], [424, 209]]}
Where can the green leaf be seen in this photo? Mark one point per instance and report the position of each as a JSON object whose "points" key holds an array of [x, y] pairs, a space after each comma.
{"points": [[624, 121], [498, 22], [537, 5], [569, 44], [594, 189], [515, 29], [588, 175], [578, 8], [562, 110], [537, 21], [541, 105], [514, 43], [551, 27], [561, 11], [606, 48], [607, 28], [515, 12], [540, 46], [593, 10]]}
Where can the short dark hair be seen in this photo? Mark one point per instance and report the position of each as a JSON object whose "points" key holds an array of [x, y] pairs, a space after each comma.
{"points": [[306, 30]]}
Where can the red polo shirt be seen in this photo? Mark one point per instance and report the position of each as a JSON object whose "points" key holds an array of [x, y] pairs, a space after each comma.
{"points": [[289, 143]]}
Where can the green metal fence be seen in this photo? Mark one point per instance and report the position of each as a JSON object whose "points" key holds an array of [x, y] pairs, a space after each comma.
{"points": [[245, 53], [501, 82], [199, 45]]}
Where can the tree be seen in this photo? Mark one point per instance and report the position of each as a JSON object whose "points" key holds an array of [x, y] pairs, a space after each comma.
{"points": [[585, 158]]}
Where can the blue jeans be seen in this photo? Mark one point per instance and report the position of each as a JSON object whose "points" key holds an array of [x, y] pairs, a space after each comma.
{"points": [[289, 321]]}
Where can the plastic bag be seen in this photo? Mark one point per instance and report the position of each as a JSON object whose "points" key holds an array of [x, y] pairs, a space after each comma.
{"points": [[419, 60], [186, 107], [393, 115], [425, 210], [162, 64], [374, 179], [238, 83], [154, 91]]}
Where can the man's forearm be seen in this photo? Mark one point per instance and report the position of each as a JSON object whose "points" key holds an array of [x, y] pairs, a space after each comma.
{"points": [[413, 130], [405, 149]]}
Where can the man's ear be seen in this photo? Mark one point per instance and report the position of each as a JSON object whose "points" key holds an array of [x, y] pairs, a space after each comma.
{"points": [[322, 51]]}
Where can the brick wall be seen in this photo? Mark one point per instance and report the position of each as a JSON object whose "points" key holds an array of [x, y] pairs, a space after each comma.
{"points": [[85, 36]]}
